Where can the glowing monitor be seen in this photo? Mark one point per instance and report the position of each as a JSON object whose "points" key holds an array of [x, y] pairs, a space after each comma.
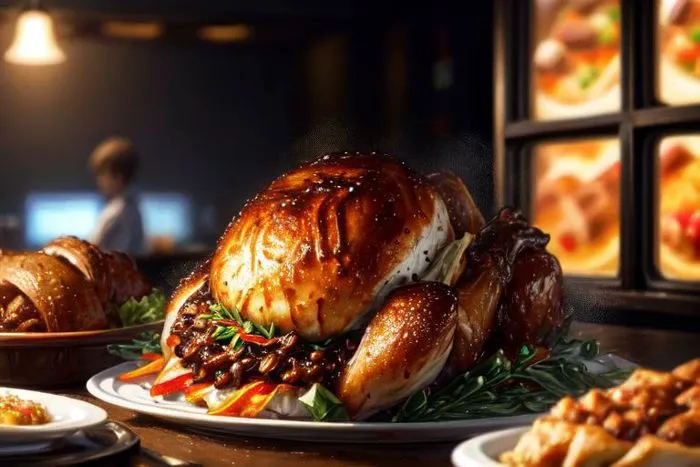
{"points": [[49, 215], [166, 215]]}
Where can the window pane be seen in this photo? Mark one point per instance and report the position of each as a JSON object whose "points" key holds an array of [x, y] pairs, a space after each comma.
{"points": [[678, 45], [679, 207], [577, 201], [576, 58]]}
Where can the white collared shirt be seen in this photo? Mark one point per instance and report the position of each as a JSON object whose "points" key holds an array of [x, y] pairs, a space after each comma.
{"points": [[119, 227]]}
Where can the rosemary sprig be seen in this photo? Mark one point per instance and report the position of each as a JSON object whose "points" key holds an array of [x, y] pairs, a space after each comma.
{"points": [[499, 386], [147, 342], [227, 333]]}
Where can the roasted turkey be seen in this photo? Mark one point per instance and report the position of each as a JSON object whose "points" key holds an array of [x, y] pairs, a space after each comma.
{"points": [[67, 286], [365, 277]]}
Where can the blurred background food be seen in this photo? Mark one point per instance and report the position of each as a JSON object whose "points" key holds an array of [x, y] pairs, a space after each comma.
{"points": [[576, 58], [678, 217], [576, 198], [678, 42]]}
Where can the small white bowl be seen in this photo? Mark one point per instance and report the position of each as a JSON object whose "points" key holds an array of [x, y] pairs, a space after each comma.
{"points": [[67, 417], [484, 450]]}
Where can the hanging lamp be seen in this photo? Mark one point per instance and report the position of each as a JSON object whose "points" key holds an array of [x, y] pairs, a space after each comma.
{"points": [[34, 42]]}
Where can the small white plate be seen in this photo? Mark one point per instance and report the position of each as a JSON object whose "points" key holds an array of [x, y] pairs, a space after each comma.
{"points": [[67, 416], [484, 450]]}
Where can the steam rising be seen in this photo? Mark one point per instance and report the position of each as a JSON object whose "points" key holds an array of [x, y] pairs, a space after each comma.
{"points": [[468, 155]]}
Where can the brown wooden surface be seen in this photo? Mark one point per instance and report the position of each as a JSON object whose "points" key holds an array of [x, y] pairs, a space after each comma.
{"points": [[653, 348]]}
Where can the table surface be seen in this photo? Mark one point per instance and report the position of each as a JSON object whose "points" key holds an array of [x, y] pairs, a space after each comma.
{"points": [[653, 348]]}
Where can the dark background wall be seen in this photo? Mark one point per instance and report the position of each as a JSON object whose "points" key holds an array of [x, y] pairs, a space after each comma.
{"points": [[220, 122]]}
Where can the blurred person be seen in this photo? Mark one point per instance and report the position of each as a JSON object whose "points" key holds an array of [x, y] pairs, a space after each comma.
{"points": [[115, 163]]}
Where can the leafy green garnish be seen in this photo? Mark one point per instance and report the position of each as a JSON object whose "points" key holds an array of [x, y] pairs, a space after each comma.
{"points": [[499, 387], [587, 76], [230, 334], [614, 13], [147, 342], [323, 405], [148, 309], [606, 36], [695, 35]]}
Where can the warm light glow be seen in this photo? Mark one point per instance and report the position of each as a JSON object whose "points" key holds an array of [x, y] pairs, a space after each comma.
{"points": [[130, 30], [34, 42], [232, 33]]}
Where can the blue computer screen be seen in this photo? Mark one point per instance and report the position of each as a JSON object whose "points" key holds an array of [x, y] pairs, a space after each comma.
{"points": [[166, 214], [49, 215]]}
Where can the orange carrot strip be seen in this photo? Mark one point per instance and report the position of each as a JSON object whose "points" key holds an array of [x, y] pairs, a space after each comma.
{"points": [[150, 368]]}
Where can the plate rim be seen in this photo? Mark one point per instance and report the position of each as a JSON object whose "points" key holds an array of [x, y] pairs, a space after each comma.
{"points": [[93, 387], [470, 452], [74, 338], [96, 416]]}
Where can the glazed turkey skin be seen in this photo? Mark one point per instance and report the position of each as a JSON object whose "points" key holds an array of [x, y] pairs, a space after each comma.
{"points": [[323, 245]]}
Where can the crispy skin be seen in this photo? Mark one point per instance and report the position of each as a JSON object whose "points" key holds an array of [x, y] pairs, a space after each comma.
{"points": [[510, 293], [126, 280], [689, 370], [478, 302], [63, 299], [545, 445], [89, 260], [650, 420], [465, 216], [187, 287], [403, 349], [323, 244], [532, 309], [114, 275]]}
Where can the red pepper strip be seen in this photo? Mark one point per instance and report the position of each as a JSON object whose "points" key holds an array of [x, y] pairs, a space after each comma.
{"points": [[245, 337], [250, 400], [253, 338], [148, 369], [151, 356], [177, 384], [172, 340]]}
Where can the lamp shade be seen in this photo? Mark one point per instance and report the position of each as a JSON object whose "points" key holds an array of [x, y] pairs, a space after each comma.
{"points": [[34, 42]]}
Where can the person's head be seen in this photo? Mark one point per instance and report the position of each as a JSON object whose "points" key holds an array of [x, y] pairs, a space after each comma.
{"points": [[114, 163]]}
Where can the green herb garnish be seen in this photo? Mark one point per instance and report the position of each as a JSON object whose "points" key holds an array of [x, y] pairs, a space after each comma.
{"points": [[147, 342], [694, 35], [228, 333], [148, 309], [614, 13], [606, 36], [587, 76], [500, 387], [323, 405]]}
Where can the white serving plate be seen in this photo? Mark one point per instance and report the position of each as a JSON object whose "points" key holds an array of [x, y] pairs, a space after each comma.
{"points": [[484, 450], [135, 396], [68, 416]]}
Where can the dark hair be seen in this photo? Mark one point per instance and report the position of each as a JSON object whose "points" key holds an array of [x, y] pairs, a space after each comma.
{"points": [[117, 156]]}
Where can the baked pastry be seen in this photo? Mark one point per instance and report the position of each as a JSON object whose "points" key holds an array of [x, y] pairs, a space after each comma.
{"points": [[68, 286], [650, 420]]}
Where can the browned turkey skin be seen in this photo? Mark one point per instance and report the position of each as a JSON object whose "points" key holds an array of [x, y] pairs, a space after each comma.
{"points": [[510, 294], [508, 266], [277, 263], [65, 287]]}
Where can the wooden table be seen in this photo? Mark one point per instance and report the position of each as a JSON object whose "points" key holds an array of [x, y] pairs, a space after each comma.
{"points": [[653, 348]]}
